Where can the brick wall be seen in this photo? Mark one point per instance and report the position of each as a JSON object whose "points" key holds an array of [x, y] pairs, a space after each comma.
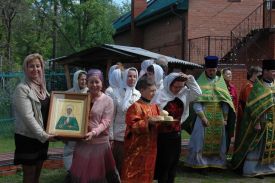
{"points": [[164, 36], [217, 17], [238, 73], [123, 38], [239, 78], [211, 17], [254, 52]]}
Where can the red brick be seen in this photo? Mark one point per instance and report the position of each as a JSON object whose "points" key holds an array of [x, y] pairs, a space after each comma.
{"points": [[203, 18]]}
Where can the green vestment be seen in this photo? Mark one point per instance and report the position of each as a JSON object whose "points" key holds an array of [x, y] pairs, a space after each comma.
{"points": [[260, 102]]}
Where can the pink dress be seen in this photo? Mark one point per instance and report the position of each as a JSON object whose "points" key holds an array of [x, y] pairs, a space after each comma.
{"points": [[93, 161]]}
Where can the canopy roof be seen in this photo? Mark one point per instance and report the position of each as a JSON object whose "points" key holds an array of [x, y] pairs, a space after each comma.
{"points": [[99, 56]]}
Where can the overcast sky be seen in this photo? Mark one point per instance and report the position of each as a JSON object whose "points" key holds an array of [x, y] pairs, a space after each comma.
{"points": [[119, 1]]}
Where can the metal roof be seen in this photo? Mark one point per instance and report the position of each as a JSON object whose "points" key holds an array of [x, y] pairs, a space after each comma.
{"points": [[160, 5], [126, 54], [123, 21], [154, 8], [149, 54]]}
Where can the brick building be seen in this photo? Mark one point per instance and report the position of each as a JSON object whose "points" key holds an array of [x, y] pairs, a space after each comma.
{"points": [[238, 31]]}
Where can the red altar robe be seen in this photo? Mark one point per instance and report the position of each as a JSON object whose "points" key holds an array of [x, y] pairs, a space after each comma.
{"points": [[244, 93], [140, 144]]}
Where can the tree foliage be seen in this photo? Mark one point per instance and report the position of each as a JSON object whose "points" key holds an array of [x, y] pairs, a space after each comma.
{"points": [[53, 28]]}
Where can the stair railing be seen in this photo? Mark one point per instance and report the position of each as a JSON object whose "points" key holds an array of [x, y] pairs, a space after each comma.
{"points": [[208, 45], [260, 18]]}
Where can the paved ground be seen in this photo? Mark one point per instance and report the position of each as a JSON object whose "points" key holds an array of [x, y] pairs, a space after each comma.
{"points": [[185, 175]]}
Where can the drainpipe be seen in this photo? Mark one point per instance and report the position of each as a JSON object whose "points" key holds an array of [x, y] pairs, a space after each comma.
{"points": [[182, 30]]}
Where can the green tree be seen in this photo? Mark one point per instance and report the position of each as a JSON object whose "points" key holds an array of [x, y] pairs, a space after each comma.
{"points": [[54, 27]]}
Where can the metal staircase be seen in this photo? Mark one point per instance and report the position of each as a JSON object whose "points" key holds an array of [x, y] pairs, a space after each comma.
{"points": [[252, 28]]}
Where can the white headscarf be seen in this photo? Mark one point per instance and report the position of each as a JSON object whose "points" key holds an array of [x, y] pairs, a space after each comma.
{"points": [[165, 95], [112, 68], [76, 88], [115, 78], [158, 74], [129, 91], [144, 65], [115, 82]]}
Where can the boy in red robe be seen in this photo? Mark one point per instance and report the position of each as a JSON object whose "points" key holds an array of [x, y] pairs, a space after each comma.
{"points": [[141, 137]]}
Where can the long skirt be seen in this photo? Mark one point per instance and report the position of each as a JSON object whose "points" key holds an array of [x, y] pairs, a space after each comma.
{"points": [[68, 154], [118, 153], [93, 163], [195, 157]]}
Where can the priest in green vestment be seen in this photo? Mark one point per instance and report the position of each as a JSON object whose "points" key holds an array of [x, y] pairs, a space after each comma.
{"points": [[207, 146], [254, 155]]}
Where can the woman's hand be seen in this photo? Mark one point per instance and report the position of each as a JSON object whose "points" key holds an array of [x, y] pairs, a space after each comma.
{"points": [[205, 122], [51, 137], [111, 144], [184, 75], [89, 136]]}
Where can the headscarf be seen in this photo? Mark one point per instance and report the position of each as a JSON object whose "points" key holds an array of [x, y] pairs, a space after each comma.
{"points": [[76, 84], [69, 107], [144, 65], [128, 90], [158, 74], [38, 86], [165, 95], [115, 78], [115, 82], [112, 68], [95, 72]]}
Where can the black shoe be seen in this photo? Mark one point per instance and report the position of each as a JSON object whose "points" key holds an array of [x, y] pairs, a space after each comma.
{"points": [[203, 171], [68, 178]]}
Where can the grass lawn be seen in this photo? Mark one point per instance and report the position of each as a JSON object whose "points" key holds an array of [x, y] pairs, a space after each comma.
{"points": [[184, 176], [47, 176], [7, 144]]}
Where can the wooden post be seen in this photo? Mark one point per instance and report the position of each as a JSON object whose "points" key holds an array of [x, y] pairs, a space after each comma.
{"points": [[67, 75]]}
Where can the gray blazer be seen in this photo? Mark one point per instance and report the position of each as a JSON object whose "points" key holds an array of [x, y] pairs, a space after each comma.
{"points": [[27, 113]]}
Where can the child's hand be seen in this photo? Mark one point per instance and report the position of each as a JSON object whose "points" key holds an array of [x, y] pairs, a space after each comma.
{"points": [[225, 122], [151, 120]]}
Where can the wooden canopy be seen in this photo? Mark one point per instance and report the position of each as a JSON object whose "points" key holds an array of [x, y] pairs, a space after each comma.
{"points": [[103, 57]]}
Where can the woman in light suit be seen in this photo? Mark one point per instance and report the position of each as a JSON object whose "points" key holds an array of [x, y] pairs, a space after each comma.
{"points": [[31, 107]]}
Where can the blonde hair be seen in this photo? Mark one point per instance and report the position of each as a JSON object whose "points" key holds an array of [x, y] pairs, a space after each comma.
{"points": [[33, 57], [42, 81]]}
